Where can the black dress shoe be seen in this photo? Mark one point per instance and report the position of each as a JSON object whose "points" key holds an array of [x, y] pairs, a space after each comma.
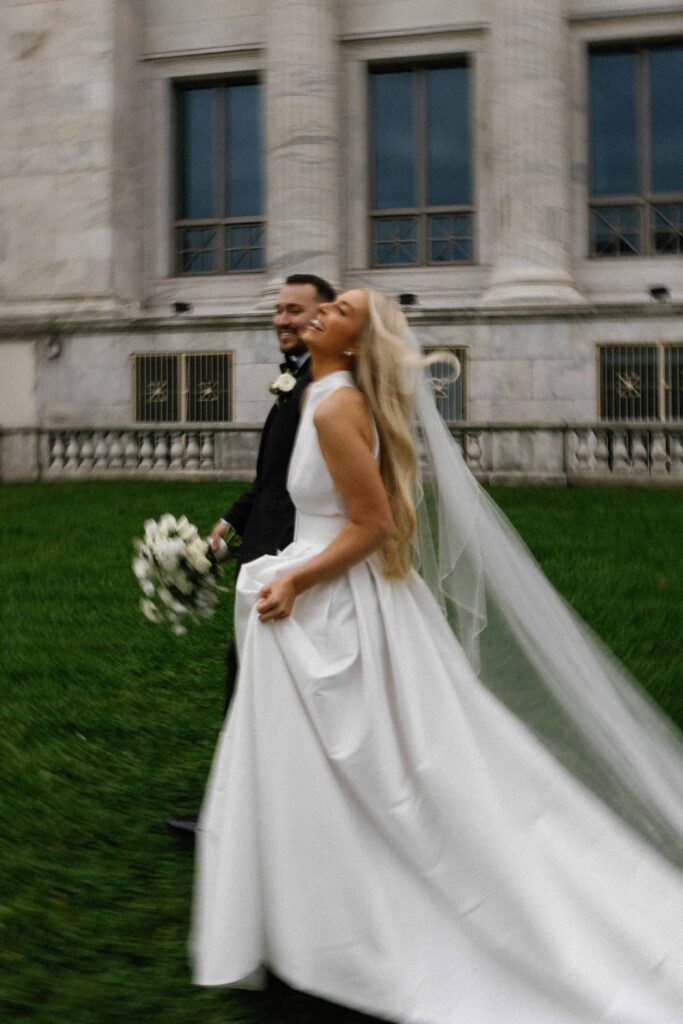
{"points": [[185, 825]]}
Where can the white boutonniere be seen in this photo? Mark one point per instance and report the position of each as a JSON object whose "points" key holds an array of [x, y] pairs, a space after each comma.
{"points": [[285, 383]]}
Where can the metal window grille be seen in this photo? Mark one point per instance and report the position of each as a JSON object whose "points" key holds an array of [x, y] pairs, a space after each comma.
{"points": [[219, 243], [424, 234], [673, 382], [450, 391], [188, 388], [157, 389], [208, 388], [644, 224], [630, 387]]}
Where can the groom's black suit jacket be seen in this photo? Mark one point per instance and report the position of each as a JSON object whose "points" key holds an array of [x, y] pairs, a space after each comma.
{"points": [[264, 515]]}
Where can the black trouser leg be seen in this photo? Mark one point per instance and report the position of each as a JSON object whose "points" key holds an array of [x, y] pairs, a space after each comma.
{"points": [[230, 674]]}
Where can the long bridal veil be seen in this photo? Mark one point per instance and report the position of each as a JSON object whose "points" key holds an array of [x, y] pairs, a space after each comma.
{"points": [[533, 651]]}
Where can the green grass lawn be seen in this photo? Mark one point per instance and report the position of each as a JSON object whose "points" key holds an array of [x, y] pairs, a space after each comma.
{"points": [[108, 724]]}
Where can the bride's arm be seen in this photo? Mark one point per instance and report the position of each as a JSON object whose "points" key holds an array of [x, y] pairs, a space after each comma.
{"points": [[345, 436]]}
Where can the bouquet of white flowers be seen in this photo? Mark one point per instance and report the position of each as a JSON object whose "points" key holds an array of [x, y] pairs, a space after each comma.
{"points": [[177, 572]]}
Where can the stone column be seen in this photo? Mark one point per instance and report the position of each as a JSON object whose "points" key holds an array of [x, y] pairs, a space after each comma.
{"points": [[530, 150], [302, 130], [68, 183]]}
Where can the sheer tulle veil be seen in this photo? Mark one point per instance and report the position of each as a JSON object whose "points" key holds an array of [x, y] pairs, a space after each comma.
{"points": [[531, 649]]}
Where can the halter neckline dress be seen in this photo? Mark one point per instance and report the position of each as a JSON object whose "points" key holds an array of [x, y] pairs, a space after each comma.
{"points": [[380, 831]]}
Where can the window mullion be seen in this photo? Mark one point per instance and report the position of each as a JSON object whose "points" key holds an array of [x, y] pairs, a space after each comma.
{"points": [[420, 101], [221, 184], [644, 145], [179, 182]]}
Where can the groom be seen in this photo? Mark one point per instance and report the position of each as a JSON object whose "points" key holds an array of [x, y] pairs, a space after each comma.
{"points": [[264, 515]]}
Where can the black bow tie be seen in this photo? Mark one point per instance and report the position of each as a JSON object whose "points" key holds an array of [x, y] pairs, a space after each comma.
{"points": [[292, 366]]}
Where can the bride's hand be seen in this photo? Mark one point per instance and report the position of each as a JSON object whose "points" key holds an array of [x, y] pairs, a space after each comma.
{"points": [[275, 600]]}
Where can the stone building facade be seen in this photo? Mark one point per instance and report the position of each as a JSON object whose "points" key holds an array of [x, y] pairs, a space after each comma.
{"points": [[565, 301]]}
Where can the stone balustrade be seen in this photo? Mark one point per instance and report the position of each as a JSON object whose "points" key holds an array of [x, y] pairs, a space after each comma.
{"points": [[99, 451], [646, 453], [623, 452]]}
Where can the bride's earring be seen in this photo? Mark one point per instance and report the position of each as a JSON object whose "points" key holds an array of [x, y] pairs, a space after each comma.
{"points": [[349, 353]]}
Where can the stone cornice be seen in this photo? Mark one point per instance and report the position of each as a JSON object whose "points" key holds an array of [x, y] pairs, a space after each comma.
{"points": [[239, 50], [621, 13], [414, 32], [12, 328]]}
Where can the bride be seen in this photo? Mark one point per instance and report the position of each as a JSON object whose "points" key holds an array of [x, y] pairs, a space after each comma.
{"points": [[436, 798]]}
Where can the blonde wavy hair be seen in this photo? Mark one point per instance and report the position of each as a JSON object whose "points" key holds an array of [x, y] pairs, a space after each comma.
{"points": [[386, 371]]}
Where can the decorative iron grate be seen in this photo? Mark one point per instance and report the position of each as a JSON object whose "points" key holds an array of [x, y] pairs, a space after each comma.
{"points": [[157, 388], [639, 383], [450, 391], [189, 388], [673, 382]]}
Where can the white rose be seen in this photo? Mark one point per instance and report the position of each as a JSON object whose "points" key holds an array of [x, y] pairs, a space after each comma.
{"points": [[168, 559], [168, 522], [284, 383], [150, 610], [147, 587], [196, 553], [170, 601], [182, 583], [141, 568], [151, 528], [186, 530]]}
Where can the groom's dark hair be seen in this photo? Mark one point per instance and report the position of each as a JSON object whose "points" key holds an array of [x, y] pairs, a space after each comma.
{"points": [[326, 292]]}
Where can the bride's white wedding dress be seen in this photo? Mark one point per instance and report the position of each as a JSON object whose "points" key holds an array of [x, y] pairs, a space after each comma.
{"points": [[379, 830]]}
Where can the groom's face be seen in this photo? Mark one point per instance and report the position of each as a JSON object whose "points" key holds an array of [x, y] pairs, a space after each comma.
{"points": [[296, 306]]}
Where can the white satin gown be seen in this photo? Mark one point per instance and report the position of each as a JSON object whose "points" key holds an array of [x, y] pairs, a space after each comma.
{"points": [[380, 831]]}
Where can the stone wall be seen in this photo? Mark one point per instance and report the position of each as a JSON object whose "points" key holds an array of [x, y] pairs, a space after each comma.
{"points": [[86, 197]]}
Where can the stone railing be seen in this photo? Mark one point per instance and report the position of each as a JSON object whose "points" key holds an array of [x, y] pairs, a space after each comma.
{"points": [[501, 453], [651, 452]]}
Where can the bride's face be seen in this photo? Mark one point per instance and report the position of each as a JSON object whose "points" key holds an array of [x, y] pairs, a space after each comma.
{"points": [[335, 329]]}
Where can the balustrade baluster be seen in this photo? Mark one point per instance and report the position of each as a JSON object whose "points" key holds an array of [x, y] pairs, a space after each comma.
{"points": [[86, 453], [582, 453], [658, 456], [161, 451], [192, 457], [56, 452], [100, 450], [206, 461], [676, 453], [72, 453], [146, 451], [620, 461], [129, 443], [639, 459], [114, 441], [177, 450], [473, 448], [601, 452]]}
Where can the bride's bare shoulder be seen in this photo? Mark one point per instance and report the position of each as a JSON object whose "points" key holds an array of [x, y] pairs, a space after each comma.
{"points": [[343, 408], [345, 399]]}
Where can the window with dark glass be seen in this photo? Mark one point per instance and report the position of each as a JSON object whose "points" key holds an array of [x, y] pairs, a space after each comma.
{"points": [[421, 165], [636, 147], [219, 227], [181, 387]]}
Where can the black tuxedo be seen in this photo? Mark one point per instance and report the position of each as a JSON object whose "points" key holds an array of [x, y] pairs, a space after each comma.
{"points": [[264, 515]]}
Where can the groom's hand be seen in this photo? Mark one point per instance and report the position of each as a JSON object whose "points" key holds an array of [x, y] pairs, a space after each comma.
{"points": [[275, 600], [216, 533]]}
